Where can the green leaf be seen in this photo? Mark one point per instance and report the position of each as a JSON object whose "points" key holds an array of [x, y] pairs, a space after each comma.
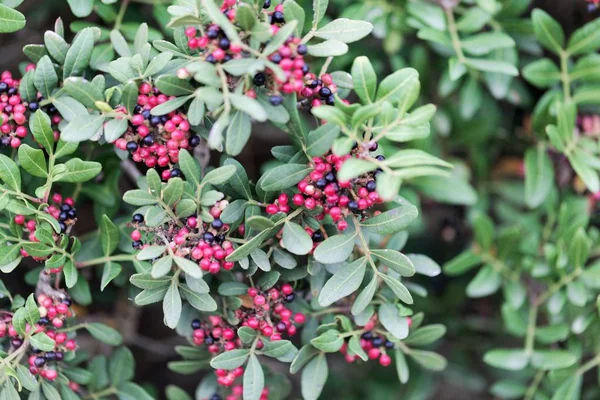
{"points": [[398, 288], [238, 133], [395, 260], [354, 167], [390, 318], [486, 282], [85, 92], [428, 359], [56, 46], [319, 9], [104, 333], [426, 335], [328, 48], [396, 86], [32, 313], [114, 129], [292, 11], [547, 31], [391, 221], [109, 235], [539, 176], [81, 8], [9, 173], [131, 391], [78, 170], [189, 267], [585, 39], [79, 54], [170, 105], [45, 78], [501, 67], [542, 73], [110, 271], [82, 128], [172, 86], [254, 379], [295, 239], [314, 374], [330, 341], [552, 359], [219, 175], [365, 296], [42, 130], [280, 37], [10, 20], [230, 359], [200, 301], [343, 283], [335, 249], [249, 106], [364, 79], [424, 265], [484, 43], [33, 161], [172, 305], [283, 176], [321, 139], [514, 360], [588, 175], [50, 392], [121, 367], [345, 30]]}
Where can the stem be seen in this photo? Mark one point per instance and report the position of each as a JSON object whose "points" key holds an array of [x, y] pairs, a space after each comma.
{"points": [[103, 393], [564, 75], [588, 365], [102, 260], [454, 35], [534, 385], [48, 184], [121, 14]]}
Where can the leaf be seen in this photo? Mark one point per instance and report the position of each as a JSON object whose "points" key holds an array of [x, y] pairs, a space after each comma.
{"points": [[321, 139], [501, 67], [249, 106], [283, 176], [424, 265], [547, 31], [364, 79], [81, 8], [539, 176], [170, 105], [401, 366], [172, 305], [42, 130], [132, 391], [121, 367], [335, 249], [395, 260], [238, 133], [111, 271], [45, 78], [552, 359], [398, 288], [104, 333], [33, 161], [78, 170], [426, 335], [9, 173], [292, 11], [172, 86], [428, 359], [390, 318], [354, 167], [345, 30], [254, 379], [542, 73], [295, 239], [328, 48], [391, 221], [188, 266], [114, 129], [219, 175], [394, 87], [514, 360], [365, 296], [486, 282], [314, 376], [319, 9], [82, 128], [280, 37], [10, 20], [343, 283], [109, 235], [587, 174], [329, 341], [79, 54], [585, 39]]}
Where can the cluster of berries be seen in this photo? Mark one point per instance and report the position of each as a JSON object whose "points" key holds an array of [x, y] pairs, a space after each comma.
{"points": [[53, 313], [156, 140], [261, 311], [214, 44], [322, 191], [318, 91], [237, 393], [201, 242], [290, 57], [374, 345], [60, 209], [15, 111]]}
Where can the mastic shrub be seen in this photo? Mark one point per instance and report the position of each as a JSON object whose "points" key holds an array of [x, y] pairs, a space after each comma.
{"points": [[278, 182]]}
